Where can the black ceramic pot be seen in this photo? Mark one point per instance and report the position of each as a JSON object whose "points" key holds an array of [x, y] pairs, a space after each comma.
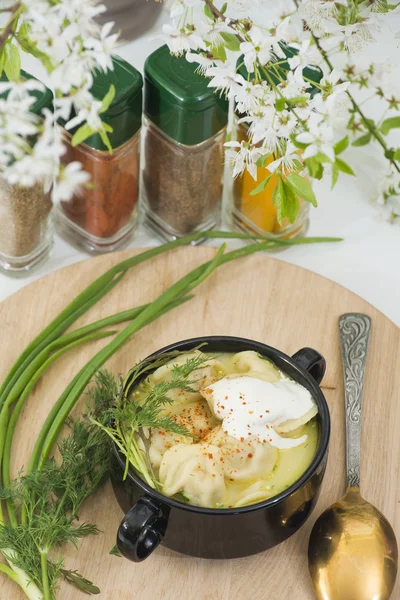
{"points": [[152, 518]]}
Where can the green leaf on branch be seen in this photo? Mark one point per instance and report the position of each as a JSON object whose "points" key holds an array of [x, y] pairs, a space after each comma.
{"points": [[388, 124], [31, 48], [286, 202], [291, 204], [106, 141], [231, 41], [81, 134], [396, 155], [335, 175], [363, 140], [261, 187], [302, 187], [208, 12], [108, 98], [341, 145], [218, 52], [277, 200], [223, 8], [344, 167], [12, 62], [262, 160], [314, 167], [2, 61], [299, 145], [297, 100], [280, 104], [107, 127]]}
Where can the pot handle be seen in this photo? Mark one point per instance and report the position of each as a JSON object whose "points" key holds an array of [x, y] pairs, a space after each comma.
{"points": [[142, 529], [311, 361]]}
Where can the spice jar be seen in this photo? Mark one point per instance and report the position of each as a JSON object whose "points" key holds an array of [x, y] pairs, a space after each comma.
{"points": [[256, 214], [184, 134], [104, 215], [26, 234]]}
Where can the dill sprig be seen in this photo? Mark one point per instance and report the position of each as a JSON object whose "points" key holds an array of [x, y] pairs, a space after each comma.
{"points": [[51, 496], [132, 415]]}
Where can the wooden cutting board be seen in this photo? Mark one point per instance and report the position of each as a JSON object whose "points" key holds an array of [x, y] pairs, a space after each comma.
{"points": [[257, 297]]}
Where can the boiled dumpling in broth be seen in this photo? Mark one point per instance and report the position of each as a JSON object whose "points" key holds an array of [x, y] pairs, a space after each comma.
{"points": [[195, 417], [196, 470], [204, 376], [244, 460], [254, 365], [161, 441], [291, 425]]}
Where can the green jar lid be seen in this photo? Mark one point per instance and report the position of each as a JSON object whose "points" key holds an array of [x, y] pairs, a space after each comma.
{"points": [[124, 114], [178, 100], [44, 99]]}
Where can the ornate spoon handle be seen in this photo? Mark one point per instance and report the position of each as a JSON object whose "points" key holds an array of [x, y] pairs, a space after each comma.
{"points": [[355, 329]]}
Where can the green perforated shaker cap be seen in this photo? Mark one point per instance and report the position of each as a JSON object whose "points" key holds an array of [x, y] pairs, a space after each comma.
{"points": [[125, 112], [179, 101]]}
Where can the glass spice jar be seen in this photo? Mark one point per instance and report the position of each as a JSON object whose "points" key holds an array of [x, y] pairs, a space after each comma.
{"points": [[26, 234], [184, 134], [104, 215], [256, 214]]}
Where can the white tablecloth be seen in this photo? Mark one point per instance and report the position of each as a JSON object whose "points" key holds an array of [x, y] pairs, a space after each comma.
{"points": [[366, 262]]}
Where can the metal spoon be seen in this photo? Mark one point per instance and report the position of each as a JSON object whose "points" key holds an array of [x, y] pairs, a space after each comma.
{"points": [[352, 552]]}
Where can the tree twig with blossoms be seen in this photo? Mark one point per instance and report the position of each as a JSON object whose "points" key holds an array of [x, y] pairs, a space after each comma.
{"points": [[63, 36], [300, 111]]}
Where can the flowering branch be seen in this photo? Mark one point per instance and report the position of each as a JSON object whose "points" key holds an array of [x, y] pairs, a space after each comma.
{"points": [[64, 37], [8, 28], [295, 105]]}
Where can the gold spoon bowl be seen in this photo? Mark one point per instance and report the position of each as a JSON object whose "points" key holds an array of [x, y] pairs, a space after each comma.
{"points": [[352, 552]]}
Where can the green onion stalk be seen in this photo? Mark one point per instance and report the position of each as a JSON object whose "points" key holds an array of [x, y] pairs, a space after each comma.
{"points": [[53, 342]]}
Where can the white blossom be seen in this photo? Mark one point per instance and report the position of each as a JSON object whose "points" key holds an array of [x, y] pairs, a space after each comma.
{"points": [[204, 62], [225, 79], [319, 138], [245, 157], [290, 161], [180, 40], [260, 47], [70, 181]]}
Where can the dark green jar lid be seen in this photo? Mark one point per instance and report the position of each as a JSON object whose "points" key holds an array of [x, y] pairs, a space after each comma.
{"points": [[124, 114], [44, 99], [178, 100]]}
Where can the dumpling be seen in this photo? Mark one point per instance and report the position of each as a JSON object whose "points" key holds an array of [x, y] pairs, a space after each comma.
{"points": [[195, 417], [161, 441], [254, 365], [247, 460], [196, 470], [206, 375], [293, 424], [256, 492]]}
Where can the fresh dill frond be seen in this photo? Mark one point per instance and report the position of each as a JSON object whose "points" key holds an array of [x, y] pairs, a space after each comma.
{"points": [[52, 495], [132, 414]]}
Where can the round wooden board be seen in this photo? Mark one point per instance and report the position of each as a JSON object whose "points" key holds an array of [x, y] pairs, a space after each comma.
{"points": [[257, 297]]}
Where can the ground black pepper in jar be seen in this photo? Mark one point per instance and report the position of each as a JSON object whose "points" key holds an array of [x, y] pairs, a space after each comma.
{"points": [[184, 134], [26, 234]]}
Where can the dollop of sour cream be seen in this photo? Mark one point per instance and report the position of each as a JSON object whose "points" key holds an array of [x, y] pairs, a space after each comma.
{"points": [[249, 406]]}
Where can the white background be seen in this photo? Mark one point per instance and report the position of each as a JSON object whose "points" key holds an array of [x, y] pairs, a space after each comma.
{"points": [[366, 262]]}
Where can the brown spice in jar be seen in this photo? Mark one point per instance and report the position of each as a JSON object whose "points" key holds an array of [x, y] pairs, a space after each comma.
{"points": [[107, 206], [24, 214], [182, 184]]}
